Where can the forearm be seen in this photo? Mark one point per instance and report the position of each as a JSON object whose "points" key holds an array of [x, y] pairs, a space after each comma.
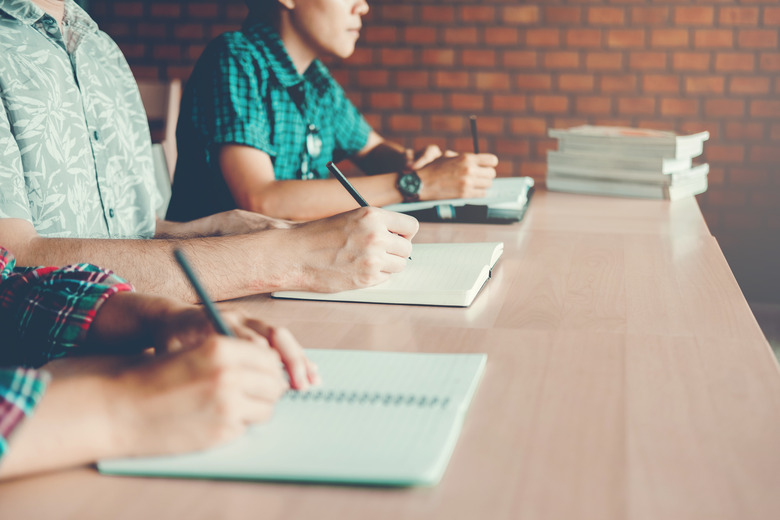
{"points": [[230, 267], [314, 199]]}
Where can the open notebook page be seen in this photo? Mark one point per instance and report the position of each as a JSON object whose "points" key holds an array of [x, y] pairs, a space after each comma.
{"points": [[438, 274], [505, 191], [379, 418]]}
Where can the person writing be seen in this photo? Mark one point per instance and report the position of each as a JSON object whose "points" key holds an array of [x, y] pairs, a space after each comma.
{"points": [[261, 117], [77, 181], [201, 389]]}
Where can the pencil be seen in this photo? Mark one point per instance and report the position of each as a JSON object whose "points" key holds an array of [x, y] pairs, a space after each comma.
{"points": [[211, 310], [347, 185], [474, 137]]}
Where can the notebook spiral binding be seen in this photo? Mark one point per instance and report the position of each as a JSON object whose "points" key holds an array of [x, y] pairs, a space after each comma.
{"points": [[368, 398]]}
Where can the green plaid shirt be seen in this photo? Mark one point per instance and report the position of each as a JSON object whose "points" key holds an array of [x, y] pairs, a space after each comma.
{"points": [[239, 93]]}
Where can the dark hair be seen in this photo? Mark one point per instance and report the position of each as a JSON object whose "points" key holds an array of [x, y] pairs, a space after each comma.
{"points": [[267, 10]]}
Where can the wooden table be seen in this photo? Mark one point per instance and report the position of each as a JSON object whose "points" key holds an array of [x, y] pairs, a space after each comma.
{"points": [[626, 379]]}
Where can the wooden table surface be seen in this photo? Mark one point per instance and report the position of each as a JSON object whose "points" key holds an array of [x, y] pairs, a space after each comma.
{"points": [[626, 379]]}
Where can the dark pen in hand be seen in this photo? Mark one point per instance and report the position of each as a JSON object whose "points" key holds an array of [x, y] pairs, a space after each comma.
{"points": [[211, 310], [474, 136]]}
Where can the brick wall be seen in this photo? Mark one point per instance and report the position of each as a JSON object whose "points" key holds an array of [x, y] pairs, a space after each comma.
{"points": [[423, 66]]}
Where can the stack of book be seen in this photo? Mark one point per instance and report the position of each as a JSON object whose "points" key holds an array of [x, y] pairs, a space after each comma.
{"points": [[627, 162]]}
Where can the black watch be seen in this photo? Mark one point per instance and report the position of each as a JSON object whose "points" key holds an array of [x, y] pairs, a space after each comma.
{"points": [[409, 184]]}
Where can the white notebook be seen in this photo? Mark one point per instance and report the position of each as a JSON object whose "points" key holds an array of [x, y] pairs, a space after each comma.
{"points": [[379, 418], [443, 274]]}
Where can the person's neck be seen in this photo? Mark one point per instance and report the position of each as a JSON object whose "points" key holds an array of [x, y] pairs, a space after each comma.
{"points": [[55, 8], [300, 52]]}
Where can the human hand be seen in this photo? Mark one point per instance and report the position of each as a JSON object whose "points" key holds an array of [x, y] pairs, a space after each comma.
{"points": [[194, 398], [416, 159], [355, 249], [459, 176]]}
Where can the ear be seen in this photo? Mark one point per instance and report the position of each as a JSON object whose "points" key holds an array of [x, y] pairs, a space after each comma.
{"points": [[287, 4]]}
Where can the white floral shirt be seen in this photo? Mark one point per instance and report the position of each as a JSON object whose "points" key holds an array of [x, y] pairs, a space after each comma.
{"points": [[75, 150]]}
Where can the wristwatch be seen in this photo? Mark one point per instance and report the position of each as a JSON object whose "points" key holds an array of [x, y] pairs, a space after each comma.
{"points": [[409, 184]]}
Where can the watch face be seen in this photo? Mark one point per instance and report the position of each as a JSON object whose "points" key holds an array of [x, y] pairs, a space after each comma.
{"points": [[409, 183]]}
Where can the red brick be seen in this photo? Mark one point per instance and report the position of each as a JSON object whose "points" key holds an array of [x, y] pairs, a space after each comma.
{"points": [[735, 61], [509, 103], [622, 83], [749, 85], [405, 123], [129, 9], [757, 38], [477, 13], [765, 108], [437, 14], [182, 72], [417, 34], [502, 36], [542, 37], [550, 104], [593, 105], [606, 16], [189, 31], [460, 35], [194, 51], [166, 52], [731, 153], [412, 79], [770, 61], [372, 78], [583, 38], [705, 84], [427, 101], [625, 38], [771, 15], [738, 16], [765, 199], [489, 125], [724, 108], [604, 61], [448, 124], [661, 83], [522, 15], [236, 12], [533, 81], [152, 30], [636, 106], [537, 170], [669, 38], [748, 176], [380, 34], [438, 57], [458, 79], [478, 58], [165, 10], [690, 61], [145, 72], [392, 100], [462, 102], [520, 59], [389, 57], [204, 10], [217, 29], [739, 130], [679, 107], [398, 13], [562, 60], [647, 60], [713, 38], [133, 50], [516, 147], [694, 15], [562, 15], [575, 82], [492, 81], [529, 126], [727, 198], [650, 15]]}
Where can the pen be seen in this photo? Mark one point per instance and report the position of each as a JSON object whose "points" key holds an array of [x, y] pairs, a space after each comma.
{"points": [[344, 182], [474, 137], [211, 310], [349, 187]]}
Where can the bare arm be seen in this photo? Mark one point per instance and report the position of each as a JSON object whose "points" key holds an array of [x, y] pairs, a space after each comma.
{"points": [[351, 250]]}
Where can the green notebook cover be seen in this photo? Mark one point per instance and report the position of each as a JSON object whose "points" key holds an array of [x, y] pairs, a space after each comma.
{"points": [[379, 418]]}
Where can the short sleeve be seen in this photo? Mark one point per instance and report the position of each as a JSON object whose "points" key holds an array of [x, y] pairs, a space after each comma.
{"points": [[351, 129], [46, 312], [21, 389], [230, 102], [14, 202]]}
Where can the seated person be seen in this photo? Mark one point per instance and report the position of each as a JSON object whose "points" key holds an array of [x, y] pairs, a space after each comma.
{"points": [[76, 170], [199, 390], [261, 117]]}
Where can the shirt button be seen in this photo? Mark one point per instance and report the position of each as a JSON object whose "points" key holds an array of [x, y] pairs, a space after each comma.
{"points": [[111, 212], [96, 135]]}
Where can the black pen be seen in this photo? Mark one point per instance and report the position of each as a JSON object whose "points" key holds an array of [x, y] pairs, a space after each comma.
{"points": [[211, 310], [474, 137], [347, 185]]}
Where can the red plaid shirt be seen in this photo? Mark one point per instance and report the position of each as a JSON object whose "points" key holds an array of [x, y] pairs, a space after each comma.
{"points": [[44, 313]]}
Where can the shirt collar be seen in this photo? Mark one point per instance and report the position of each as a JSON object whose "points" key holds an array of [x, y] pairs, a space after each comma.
{"points": [[267, 39], [28, 13]]}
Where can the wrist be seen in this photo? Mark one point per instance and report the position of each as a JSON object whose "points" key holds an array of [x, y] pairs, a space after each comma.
{"points": [[409, 184]]}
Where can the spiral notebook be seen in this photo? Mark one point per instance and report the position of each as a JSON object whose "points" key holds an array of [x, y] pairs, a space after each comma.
{"points": [[448, 275], [379, 418]]}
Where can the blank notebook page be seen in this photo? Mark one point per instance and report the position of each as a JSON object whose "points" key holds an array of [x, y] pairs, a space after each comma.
{"points": [[379, 418]]}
